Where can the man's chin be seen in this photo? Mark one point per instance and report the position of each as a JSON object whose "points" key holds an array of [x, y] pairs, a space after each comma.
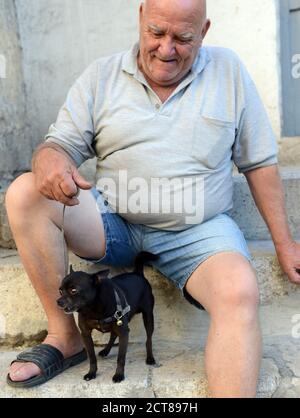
{"points": [[165, 79]]}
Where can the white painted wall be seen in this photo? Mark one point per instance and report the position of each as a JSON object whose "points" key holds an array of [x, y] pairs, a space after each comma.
{"points": [[251, 28], [60, 38]]}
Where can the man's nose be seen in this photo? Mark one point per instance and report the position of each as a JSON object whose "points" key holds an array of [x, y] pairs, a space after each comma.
{"points": [[167, 47]]}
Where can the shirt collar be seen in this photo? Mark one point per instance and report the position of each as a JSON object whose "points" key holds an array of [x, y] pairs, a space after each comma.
{"points": [[129, 61]]}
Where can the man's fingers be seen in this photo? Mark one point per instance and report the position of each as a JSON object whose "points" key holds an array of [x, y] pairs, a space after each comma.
{"points": [[45, 191], [79, 180], [62, 198], [68, 187]]}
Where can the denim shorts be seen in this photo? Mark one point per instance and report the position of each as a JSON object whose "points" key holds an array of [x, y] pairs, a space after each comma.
{"points": [[180, 252]]}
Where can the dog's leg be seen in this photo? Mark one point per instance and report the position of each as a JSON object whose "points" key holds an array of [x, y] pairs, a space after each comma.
{"points": [[106, 350], [123, 344], [89, 345], [148, 319]]}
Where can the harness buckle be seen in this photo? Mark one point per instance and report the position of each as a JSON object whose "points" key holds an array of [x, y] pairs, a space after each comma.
{"points": [[118, 315]]}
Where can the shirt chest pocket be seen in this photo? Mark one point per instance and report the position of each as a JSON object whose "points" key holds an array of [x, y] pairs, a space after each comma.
{"points": [[213, 139]]}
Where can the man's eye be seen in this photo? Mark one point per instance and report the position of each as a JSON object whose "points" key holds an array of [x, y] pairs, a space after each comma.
{"points": [[184, 41]]}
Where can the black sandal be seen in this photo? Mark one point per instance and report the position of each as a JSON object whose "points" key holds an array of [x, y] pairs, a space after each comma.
{"points": [[50, 361]]}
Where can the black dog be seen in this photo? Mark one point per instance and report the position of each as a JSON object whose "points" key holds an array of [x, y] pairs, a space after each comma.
{"points": [[108, 305]]}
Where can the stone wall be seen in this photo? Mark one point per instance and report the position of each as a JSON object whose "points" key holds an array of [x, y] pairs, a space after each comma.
{"points": [[60, 39], [15, 141]]}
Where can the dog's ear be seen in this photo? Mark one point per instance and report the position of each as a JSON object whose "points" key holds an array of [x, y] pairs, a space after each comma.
{"points": [[71, 269], [101, 275]]}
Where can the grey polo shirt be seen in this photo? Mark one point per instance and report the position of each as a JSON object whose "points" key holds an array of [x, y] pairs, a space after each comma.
{"points": [[166, 165]]}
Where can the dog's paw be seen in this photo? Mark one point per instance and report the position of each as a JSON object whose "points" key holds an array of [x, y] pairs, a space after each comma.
{"points": [[118, 378], [150, 361], [90, 376], [103, 353]]}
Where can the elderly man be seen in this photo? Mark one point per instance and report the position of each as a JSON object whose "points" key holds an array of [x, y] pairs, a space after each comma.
{"points": [[197, 105]]}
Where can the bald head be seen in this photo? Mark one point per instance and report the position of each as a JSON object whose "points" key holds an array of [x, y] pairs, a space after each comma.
{"points": [[196, 7]]}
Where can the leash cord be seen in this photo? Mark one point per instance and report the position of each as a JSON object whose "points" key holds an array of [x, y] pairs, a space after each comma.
{"points": [[66, 261], [65, 252]]}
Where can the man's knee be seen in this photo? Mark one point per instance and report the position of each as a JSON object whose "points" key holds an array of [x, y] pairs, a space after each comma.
{"points": [[241, 288], [228, 287], [21, 193], [238, 299], [241, 299]]}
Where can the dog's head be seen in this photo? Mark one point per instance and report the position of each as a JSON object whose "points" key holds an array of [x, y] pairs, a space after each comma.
{"points": [[79, 289]]}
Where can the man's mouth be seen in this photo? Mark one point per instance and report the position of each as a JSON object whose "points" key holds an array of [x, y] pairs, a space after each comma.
{"points": [[166, 60]]}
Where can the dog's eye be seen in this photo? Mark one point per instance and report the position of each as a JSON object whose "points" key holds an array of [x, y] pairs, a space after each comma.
{"points": [[73, 291], [60, 291]]}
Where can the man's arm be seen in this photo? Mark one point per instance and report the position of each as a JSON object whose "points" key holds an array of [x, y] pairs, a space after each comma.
{"points": [[56, 175], [47, 146], [267, 190]]}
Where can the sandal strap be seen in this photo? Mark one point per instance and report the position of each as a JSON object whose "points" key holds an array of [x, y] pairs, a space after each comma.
{"points": [[48, 358]]}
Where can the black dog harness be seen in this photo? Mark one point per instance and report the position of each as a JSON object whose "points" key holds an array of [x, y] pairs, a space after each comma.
{"points": [[120, 312]]}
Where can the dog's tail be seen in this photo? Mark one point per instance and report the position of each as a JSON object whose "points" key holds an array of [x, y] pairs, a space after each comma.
{"points": [[141, 259]]}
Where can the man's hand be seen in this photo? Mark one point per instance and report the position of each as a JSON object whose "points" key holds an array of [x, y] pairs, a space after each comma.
{"points": [[57, 177], [289, 258], [268, 193]]}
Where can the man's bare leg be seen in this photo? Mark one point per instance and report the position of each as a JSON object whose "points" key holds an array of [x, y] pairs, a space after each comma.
{"points": [[226, 286], [35, 222]]}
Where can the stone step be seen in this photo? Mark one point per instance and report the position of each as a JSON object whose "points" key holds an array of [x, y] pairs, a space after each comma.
{"points": [[23, 320], [6, 239], [244, 212], [180, 362]]}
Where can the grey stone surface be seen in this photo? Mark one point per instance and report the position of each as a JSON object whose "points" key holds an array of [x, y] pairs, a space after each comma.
{"points": [[289, 388], [15, 143], [179, 374], [247, 216], [289, 151], [6, 239]]}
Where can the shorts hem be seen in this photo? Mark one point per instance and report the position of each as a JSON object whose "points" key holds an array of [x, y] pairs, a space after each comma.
{"points": [[189, 272]]}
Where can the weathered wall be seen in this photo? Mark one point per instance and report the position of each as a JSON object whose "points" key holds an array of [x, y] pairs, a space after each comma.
{"points": [[15, 143], [60, 39], [251, 28]]}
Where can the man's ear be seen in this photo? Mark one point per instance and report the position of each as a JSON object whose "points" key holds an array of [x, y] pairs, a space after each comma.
{"points": [[101, 275]]}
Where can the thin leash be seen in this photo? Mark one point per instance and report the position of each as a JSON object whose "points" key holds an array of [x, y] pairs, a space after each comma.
{"points": [[66, 260]]}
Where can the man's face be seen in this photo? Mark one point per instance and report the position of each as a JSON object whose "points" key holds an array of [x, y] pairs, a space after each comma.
{"points": [[171, 33]]}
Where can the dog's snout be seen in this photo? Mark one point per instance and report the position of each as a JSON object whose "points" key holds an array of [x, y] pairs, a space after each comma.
{"points": [[60, 303]]}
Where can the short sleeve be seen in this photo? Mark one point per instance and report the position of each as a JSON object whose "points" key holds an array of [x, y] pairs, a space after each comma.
{"points": [[255, 143], [74, 127]]}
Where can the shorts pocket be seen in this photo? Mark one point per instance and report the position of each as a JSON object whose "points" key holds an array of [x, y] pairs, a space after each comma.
{"points": [[213, 139]]}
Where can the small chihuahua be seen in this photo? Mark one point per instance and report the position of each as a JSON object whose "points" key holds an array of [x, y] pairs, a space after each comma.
{"points": [[108, 306]]}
